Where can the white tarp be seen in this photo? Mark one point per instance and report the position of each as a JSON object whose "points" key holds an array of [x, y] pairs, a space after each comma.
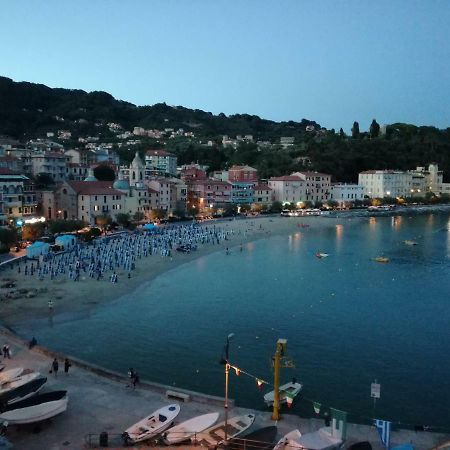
{"points": [[37, 249], [319, 440]]}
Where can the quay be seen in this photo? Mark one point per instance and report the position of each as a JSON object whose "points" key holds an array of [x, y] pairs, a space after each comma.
{"points": [[100, 402]]}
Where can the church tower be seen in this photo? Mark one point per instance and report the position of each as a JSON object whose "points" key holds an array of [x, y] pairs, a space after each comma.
{"points": [[137, 171]]}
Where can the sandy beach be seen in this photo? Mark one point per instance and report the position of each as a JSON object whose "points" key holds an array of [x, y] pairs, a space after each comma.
{"points": [[30, 296]]}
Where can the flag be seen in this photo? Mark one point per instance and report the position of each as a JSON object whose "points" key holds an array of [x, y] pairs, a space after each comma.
{"points": [[384, 428], [339, 423], [289, 399], [316, 407]]}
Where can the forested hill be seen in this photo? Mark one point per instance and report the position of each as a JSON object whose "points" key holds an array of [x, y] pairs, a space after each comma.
{"points": [[29, 110]]}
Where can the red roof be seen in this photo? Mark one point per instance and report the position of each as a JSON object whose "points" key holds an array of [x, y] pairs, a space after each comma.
{"points": [[262, 187], [207, 181], [94, 188], [314, 174]]}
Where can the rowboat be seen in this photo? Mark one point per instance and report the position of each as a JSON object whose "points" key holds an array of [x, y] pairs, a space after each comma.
{"points": [[408, 242], [287, 391], [190, 427], [381, 259], [216, 434], [152, 425], [260, 439], [36, 409], [22, 392], [322, 255], [289, 441], [9, 375]]}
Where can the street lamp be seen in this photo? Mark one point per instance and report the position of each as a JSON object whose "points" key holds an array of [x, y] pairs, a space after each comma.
{"points": [[225, 361]]}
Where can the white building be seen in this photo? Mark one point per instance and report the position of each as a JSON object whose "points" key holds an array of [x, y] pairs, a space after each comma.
{"points": [[386, 183], [50, 163], [19, 196], [160, 162], [288, 189], [346, 194], [317, 185]]}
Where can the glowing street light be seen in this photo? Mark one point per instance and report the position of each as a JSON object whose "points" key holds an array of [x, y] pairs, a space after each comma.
{"points": [[225, 360]]}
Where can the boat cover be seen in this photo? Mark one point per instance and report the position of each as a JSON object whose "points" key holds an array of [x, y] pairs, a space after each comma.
{"points": [[319, 440]]}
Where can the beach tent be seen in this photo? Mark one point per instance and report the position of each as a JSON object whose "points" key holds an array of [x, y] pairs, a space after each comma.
{"points": [[37, 249], [66, 241], [149, 226]]}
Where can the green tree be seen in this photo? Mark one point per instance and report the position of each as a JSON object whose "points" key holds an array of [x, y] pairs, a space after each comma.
{"points": [[8, 237], [157, 213], [341, 133], [123, 219], [138, 216], [355, 130], [374, 129], [276, 207], [230, 210], [103, 220], [65, 226], [31, 232], [104, 173], [43, 181]]}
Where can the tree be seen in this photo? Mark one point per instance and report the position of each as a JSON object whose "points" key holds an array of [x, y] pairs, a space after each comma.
{"points": [[341, 133], [31, 232], [123, 219], [104, 173], [276, 207], [102, 220], [374, 129], [230, 210], [63, 226], [8, 237], [245, 208], [43, 181], [355, 130], [138, 216], [157, 213]]}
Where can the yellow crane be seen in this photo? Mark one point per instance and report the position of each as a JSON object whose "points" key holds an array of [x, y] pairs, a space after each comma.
{"points": [[280, 361]]}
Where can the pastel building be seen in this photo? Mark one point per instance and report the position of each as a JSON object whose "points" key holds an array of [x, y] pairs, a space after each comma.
{"points": [[50, 163], [210, 193], [346, 194], [243, 180], [288, 189], [317, 185], [386, 183], [19, 195], [262, 194], [160, 162]]}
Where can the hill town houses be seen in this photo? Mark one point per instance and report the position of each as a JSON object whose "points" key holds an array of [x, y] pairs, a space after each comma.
{"points": [[154, 183]]}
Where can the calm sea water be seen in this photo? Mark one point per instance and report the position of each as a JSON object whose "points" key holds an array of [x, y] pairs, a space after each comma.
{"points": [[348, 319]]}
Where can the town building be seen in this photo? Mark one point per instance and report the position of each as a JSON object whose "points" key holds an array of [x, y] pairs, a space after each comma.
{"points": [[243, 180], [209, 193], [346, 194], [288, 189], [386, 183], [317, 185], [76, 171], [19, 195], [262, 194], [50, 163], [160, 162]]}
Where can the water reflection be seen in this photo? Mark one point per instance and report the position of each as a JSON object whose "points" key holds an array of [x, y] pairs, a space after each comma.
{"points": [[396, 222]]}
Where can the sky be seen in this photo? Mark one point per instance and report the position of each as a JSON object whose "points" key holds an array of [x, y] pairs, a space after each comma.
{"points": [[331, 61]]}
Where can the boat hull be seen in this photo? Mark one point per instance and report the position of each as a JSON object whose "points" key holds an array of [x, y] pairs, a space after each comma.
{"points": [[187, 429], [289, 388], [22, 392]]}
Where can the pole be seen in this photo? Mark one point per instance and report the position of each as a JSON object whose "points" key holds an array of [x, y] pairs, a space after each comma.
{"points": [[227, 370], [276, 385]]}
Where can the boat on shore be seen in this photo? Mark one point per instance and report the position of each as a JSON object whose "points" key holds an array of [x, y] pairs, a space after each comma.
{"points": [[215, 435], [10, 375], [23, 391], [35, 409], [260, 439], [151, 426], [287, 391], [17, 382], [189, 428], [289, 441]]}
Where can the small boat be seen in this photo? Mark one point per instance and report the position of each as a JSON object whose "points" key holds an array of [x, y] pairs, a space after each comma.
{"points": [[322, 255], [381, 259], [216, 434], [9, 375], [152, 425], [289, 390], [22, 392], [18, 381], [261, 439], [408, 242], [36, 409], [190, 427], [289, 441]]}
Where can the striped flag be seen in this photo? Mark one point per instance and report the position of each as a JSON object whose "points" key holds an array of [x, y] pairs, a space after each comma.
{"points": [[384, 428]]}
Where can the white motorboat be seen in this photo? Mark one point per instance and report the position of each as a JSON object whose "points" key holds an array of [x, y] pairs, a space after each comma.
{"points": [[36, 409], [216, 434], [18, 381], [189, 428], [287, 391], [289, 441], [22, 392], [11, 374], [152, 425]]}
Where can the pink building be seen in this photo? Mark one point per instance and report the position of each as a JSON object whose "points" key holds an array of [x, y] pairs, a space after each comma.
{"points": [[209, 192], [242, 174]]}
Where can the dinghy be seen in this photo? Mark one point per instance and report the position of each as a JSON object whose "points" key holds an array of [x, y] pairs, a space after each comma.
{"points": [[289, 441], [36, 409], [189, 428], [22, 392], [321, 255], [261, 439], [216, 434], [152, 425], [9, 375], [287, 391]]}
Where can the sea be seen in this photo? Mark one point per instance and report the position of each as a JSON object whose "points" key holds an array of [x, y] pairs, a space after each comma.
{"points": [[349, 321]]}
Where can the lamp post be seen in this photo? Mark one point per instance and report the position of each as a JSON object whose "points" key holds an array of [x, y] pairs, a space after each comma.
{"points": [[225, 360]]}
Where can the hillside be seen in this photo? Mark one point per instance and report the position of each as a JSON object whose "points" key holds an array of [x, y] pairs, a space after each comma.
{"points": [[30, 110]]}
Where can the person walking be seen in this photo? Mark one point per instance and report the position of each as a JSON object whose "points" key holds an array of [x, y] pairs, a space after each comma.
{"points": [[55, 367], [67, 365], [50, 305], [135, 380]]}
